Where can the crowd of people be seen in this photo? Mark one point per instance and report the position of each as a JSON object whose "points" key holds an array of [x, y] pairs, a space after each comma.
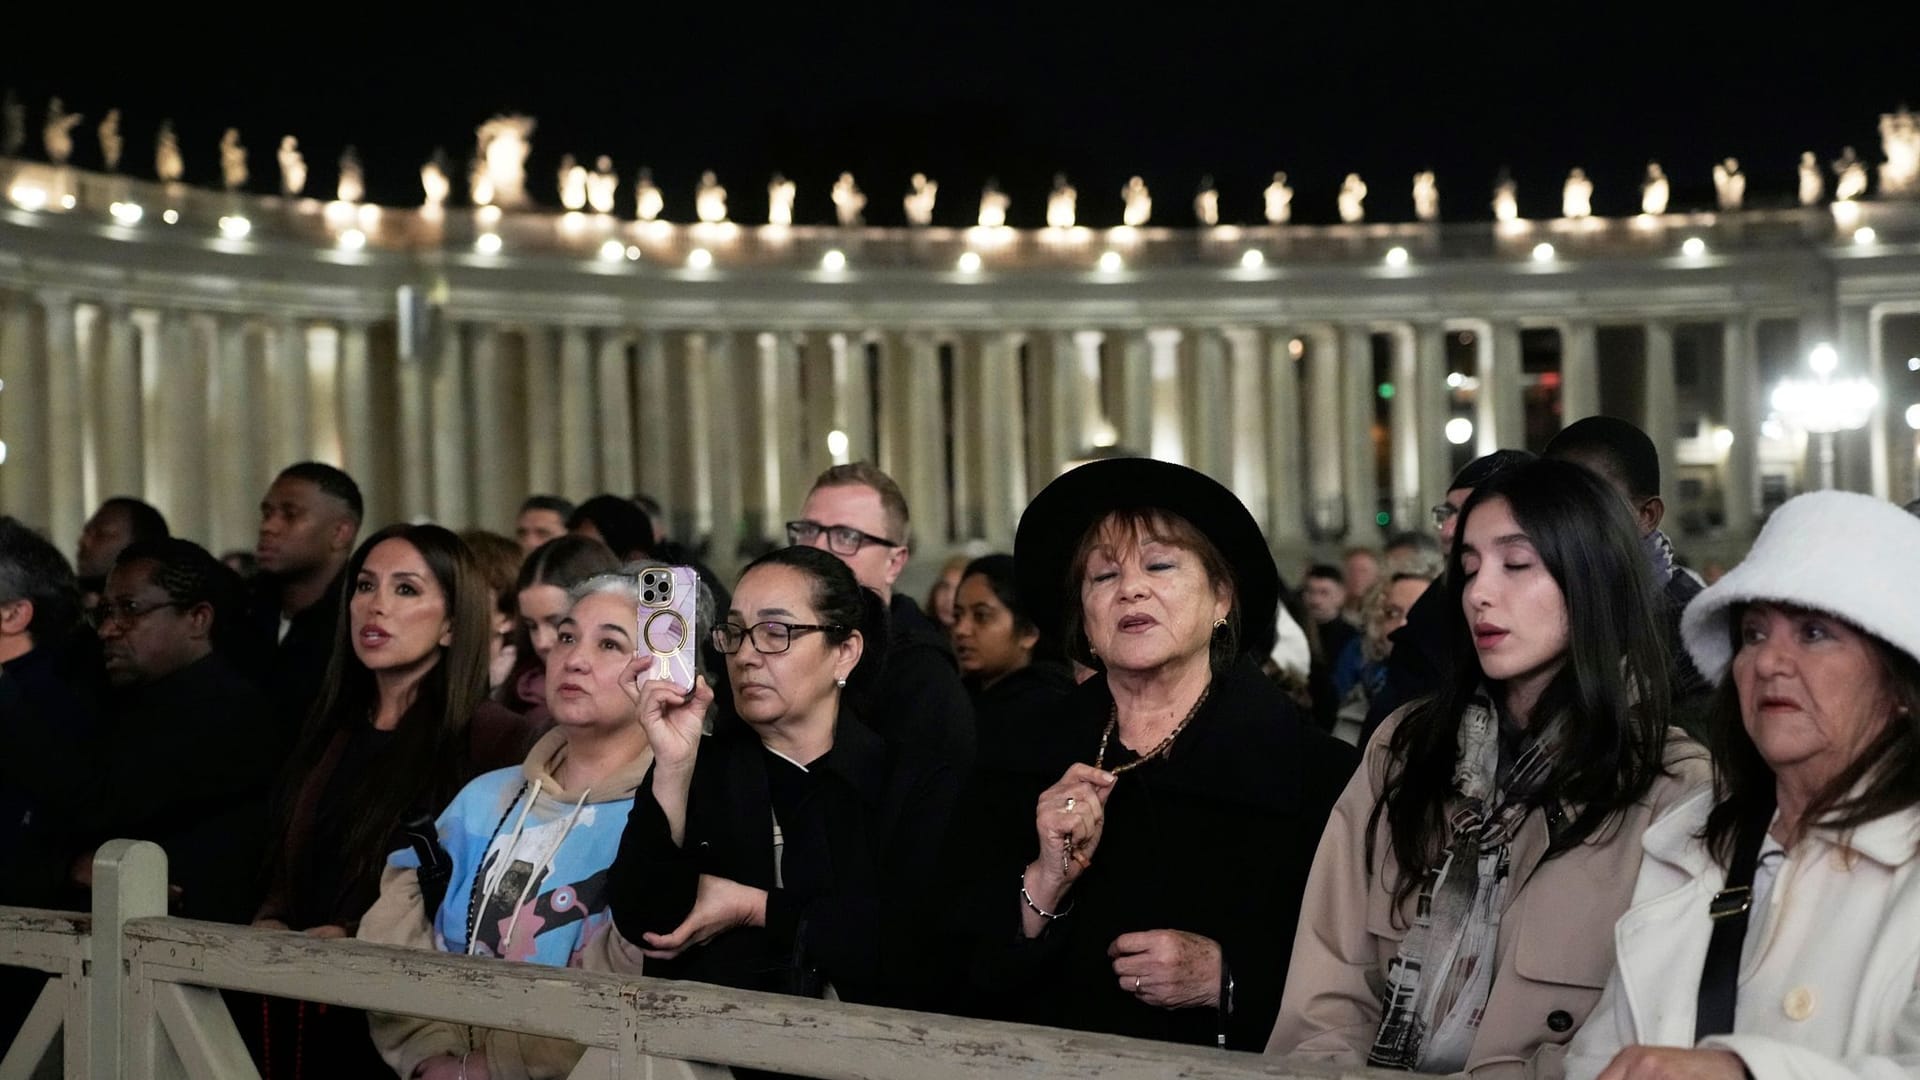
{"points": [[1520, 797]]}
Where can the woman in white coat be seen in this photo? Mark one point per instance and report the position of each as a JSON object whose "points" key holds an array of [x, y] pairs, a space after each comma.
{"points": [[1775, 929]]}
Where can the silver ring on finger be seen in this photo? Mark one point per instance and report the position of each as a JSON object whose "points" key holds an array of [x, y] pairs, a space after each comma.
{"points": [[1136, 984], [1069, 804]]}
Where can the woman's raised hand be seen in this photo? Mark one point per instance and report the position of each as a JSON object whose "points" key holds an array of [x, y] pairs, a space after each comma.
{"points": [[673, 718], [1068, 820]]}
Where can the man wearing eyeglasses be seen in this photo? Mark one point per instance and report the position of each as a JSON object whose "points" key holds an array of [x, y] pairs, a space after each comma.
{"points": [[858, 513], [188, 749]]}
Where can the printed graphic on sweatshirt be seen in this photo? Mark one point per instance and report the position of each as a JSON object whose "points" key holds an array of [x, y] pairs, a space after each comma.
{"points": [[524, 904]]}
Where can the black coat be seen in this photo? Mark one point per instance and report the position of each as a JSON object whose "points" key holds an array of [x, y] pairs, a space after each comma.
{"points": [[1214, 839], [859, 858], [294, 668], [919, 704]]}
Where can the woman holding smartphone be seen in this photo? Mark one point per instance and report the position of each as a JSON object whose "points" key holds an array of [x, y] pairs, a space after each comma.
{"points": [[782, 845]]}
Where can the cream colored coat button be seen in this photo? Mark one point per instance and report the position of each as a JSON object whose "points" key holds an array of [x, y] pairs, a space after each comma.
{"points": [[1798, 1004]]}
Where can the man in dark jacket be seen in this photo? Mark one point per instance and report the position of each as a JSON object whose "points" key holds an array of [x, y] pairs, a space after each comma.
{"points": [[308, 521], [188, 748], [858, 513]]}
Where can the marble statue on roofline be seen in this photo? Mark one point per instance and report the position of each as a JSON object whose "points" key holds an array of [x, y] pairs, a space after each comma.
{"points": [[1426, 196], [168, 165], [57, 135], [1060, 203], [1136, 204], [848, 201], [353, 184], [921, 193], [480, 183], [1900, 142], [573, 183], [1506, 197], [434, 185], [112, 144], [504, 143], [648, 201], [1655, 190], [1812, 184], [1576, 195], [1206, 204], [1353, 198], [780, 193], [1850, 176], [710, 200], [993, 205], [13, 125], [1279, 200], [293, 167], [603, 185], [233, 160], [1729, 184]]}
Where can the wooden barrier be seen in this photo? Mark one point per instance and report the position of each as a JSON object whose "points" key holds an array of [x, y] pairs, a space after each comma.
{"points": [[136, 994]]}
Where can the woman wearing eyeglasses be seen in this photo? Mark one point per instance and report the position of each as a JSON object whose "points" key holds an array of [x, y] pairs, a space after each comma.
{"points": [[786, 847]]}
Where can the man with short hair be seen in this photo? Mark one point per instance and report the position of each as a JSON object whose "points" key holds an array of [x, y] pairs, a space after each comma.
{"points": [[1324, 592], [1624, 456], [857, 513], [308, 521], [188, 751], [48, 679], [542, 518], [119, 521], [1361, 568]]}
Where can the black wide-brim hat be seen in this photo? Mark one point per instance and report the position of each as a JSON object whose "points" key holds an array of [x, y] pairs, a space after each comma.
{"points": [[1057, 518]]}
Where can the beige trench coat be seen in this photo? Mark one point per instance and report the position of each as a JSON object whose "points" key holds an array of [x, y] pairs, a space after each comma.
{"points": [[1555, 949]]}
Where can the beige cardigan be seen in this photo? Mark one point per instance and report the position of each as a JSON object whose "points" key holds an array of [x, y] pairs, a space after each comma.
{"points": [[1556, 935]]}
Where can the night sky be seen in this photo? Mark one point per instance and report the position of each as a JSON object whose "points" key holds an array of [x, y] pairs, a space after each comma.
{"points": [[964, 91]]}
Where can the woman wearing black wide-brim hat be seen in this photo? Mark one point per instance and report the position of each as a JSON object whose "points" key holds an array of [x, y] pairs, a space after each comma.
{"points": [[1165, 867]]}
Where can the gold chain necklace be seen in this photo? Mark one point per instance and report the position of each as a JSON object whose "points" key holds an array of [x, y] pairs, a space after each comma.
{"points": [[1113, 722]]}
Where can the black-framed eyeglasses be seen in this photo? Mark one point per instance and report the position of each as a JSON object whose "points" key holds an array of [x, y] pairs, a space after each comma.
{"points": [[1444, 513], [768, 637], [126, 612], [841, 539]]}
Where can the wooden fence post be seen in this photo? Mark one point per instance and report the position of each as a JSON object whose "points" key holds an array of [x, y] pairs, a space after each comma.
{"points": [[129, 882]]}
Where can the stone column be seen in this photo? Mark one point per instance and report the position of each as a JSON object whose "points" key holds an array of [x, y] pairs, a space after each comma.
{"points": [[1089, 427], [290, 392], [575, 390], [1286, 495], [236, 439], [1359, 464], [122, 462], [178, 458], [1053, 396], [1328, 508], [1003, 473], [1500, 420], [1209, 440], [714, 395], [355, 384], [1168, 442], [1134, 423], [1403, 412], [24, 480], [1863, 453], [89, 339], [1657, 412], [1739, 359], [494, 501], [65, 476], [964, 427], [325, 355], [928, 496], [786, 467], [1433, 408], [853, 395], [452, 500], [1579, 370], [415, 444], [1892, 438], [543, 415], [1243, 419], [612, 430], [652, 428], [820, 410], [686, 493]]}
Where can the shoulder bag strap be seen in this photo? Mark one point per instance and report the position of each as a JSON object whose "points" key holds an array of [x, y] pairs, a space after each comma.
{"points": [[1729, 910]]}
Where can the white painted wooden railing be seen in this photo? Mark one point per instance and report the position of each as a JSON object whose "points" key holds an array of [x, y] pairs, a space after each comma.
{"points": [[135, 994]]}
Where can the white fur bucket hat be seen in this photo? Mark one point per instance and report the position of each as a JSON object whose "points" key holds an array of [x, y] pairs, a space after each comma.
{"points": [[1850, 555]]}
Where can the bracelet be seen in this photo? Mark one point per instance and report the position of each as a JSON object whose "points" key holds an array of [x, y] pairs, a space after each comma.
{"points": [[1037, 909]]}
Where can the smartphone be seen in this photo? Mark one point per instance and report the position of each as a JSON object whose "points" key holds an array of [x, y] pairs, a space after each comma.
{"points": [[668, 595]]}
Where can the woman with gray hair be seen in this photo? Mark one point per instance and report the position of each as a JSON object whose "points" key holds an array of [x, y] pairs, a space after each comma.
{"points": [[516, 867], [1775, 928]]}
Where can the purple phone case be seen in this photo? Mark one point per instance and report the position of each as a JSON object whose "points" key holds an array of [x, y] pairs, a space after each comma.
{"points": [[668, 627]]}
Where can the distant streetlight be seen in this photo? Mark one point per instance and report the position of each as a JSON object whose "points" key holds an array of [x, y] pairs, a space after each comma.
{"points": [[1823, 405]]}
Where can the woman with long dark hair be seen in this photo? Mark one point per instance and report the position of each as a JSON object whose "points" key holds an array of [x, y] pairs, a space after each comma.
{"points": [[1460, 909], [390, 739]]}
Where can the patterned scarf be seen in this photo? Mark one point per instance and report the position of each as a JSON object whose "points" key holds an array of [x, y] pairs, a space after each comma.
{"points": [[1437, 985], [1659, 552]]}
